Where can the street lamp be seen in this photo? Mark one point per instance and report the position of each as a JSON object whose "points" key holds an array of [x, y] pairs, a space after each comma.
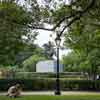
{"points": [[57, 92]]}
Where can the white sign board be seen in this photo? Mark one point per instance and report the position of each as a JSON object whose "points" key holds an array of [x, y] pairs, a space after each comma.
{"points": [[48, 66]]}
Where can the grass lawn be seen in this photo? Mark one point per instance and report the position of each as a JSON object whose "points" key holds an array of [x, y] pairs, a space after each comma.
{"points": [[45, 97]]}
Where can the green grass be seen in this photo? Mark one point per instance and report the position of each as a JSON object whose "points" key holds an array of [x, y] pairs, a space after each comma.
{"points": [[44, 97]]}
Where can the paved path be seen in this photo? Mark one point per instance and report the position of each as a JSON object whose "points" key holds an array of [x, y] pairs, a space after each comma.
{"points": [[52, 93]]}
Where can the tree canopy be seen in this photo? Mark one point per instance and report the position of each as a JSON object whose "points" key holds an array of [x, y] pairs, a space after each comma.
{"points": [[79, 17], [14, 21]]}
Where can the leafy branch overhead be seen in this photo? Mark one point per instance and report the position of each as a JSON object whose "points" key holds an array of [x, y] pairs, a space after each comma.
{"points": [[67, 14], [19, 20], [57, 14]]}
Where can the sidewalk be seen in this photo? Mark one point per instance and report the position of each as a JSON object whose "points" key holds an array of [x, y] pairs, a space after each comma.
{"points": [[52, 93]]}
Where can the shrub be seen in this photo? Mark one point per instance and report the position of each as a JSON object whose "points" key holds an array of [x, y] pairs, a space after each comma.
{"points": [[31, 75], [50, 84]]}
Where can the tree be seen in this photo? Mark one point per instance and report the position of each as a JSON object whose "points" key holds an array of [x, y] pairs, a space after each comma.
{"points": [[80, 16], [50, 12], [28, 58], [76, 62], [29, 64], [84, 38], [62, 14], [14, 22]]}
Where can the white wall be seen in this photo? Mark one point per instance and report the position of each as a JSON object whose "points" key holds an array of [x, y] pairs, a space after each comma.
{"points": [[47, 66]]}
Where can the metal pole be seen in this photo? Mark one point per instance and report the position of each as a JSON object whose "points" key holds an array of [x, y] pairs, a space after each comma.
{"points": [[57, 92]]}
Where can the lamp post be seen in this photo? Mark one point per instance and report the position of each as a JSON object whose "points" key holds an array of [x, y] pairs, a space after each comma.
{"points": [[57, 92]]}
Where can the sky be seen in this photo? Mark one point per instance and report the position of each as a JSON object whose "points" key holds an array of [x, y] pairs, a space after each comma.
{"points": [[44, 37]]}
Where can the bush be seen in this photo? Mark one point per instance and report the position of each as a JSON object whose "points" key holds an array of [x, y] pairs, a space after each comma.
{"points": [[27, 84], [31, 75], [50, 84]]}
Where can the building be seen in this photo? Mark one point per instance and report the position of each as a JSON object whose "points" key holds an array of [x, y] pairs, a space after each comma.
{"points": [[48, 66]]}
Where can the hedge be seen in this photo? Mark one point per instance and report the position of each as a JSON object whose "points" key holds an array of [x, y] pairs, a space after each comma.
{"points": [[27, 84], [31, 75], [50, 84]]}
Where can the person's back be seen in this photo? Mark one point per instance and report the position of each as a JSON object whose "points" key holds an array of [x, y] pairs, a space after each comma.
{"points": [[14, 91], [11, 91]]}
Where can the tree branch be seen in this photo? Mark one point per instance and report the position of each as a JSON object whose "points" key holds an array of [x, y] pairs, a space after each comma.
{"points": [[64, 18], [73, 20], [77, 17], [78, 13], [42, 28]]}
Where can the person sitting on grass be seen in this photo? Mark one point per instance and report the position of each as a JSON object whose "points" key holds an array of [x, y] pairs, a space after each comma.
{"points": [[14, 91]]}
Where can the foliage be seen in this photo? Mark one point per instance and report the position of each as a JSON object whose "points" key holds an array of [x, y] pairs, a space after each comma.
{"points": [[30, 63], [76, 62], [81, 16], [85, 40], [14, 22], [49, 84], [32, 75], [62, 14]]}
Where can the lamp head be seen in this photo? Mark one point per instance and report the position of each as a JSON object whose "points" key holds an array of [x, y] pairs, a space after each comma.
{"points": [[58, 40]]}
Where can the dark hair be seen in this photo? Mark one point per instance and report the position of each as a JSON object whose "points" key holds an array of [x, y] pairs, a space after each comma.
{"points": [[17, 85]]}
